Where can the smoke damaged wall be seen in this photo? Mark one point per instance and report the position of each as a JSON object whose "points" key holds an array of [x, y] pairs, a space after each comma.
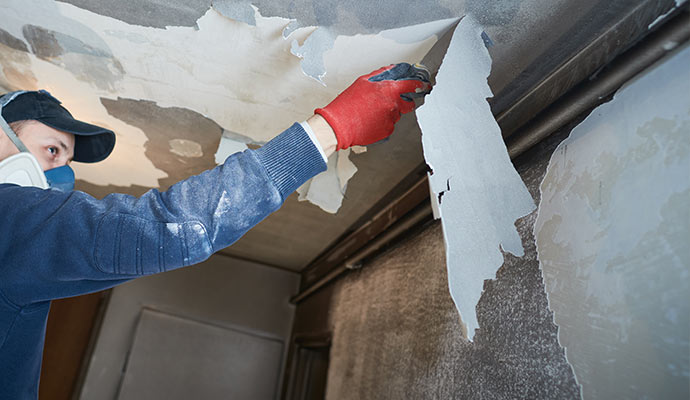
{"points": [[395, 333], [612, 237]]}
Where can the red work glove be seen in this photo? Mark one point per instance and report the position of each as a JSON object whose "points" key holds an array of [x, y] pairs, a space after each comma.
{"points": [[367, 111]]}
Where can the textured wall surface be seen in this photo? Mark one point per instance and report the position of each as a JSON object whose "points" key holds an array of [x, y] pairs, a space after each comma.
{"points": [[616, 270], [396, 333], [612, 236]]}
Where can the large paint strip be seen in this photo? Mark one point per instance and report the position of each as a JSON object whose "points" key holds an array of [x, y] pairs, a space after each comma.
{"points": [[480, 193]]}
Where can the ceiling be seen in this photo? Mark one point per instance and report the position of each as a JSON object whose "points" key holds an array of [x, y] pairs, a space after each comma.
{"points": [[177, 80]]}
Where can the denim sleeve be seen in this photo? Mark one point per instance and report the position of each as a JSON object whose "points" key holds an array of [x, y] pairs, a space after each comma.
{"points": [[56, 244]]}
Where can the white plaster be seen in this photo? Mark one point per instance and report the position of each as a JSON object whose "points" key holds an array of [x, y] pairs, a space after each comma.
{"points": [[612, 239], [185, 148], [243, 77], [433, 199], [345, 170], [483, 195], [228, 147], [327, 190], [312, 51]]}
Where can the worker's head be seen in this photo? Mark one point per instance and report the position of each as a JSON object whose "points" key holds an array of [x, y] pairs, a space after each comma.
{"points": [[38, 124]]}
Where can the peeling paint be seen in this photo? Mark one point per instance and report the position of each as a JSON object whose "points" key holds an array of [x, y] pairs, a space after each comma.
{"points": [[311, 52], [612, 238], [513, 24], [227, 148], [334, 19], [480, 194], [233, 142], [187, 55], [321, 40], [237, 10], [327, 190], [228, 71], [291, 27], [357, 17]]}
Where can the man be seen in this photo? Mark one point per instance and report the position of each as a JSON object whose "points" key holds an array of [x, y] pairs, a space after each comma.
{"points": [[60, 243]]}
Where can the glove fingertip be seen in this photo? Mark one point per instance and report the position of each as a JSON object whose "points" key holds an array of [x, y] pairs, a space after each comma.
{"points": [[411, 86], [379, 71]]}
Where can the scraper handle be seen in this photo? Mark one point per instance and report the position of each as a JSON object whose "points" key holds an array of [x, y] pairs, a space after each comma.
{"points": [[366, 112]]}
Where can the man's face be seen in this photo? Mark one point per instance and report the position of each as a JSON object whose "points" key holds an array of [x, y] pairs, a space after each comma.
{"points": [[51, 147]]}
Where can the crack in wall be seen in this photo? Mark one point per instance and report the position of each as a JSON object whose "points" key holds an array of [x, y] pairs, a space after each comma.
{"points": [[442, 192]]}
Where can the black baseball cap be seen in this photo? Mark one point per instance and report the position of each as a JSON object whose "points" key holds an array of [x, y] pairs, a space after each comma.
{"points": [[92, 143]]}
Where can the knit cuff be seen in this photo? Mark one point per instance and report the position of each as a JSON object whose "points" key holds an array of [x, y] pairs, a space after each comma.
{"points": [[291, 159]]}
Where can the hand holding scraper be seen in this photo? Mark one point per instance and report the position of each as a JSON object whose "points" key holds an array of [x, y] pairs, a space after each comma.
{"points": [[386, 93]]}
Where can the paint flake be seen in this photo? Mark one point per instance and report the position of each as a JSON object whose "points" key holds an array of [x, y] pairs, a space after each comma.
{"points": [[237, 10], [327, 190], [231, 143], [236, 83], [480, 193], [311, 52]]}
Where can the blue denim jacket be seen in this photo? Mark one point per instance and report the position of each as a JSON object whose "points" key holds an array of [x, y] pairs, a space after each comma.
{"points": [[59, 244]]}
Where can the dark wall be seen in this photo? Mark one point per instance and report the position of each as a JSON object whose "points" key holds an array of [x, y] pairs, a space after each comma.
{"points": [[68, 332], [396, 333]]}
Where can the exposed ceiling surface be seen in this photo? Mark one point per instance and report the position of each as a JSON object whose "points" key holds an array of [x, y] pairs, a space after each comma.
{"points": [[183, 83]]}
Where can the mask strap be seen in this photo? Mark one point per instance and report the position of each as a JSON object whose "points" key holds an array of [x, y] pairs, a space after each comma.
{"points": [[4, 100]]}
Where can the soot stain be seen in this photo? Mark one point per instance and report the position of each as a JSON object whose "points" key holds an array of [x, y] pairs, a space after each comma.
{"points": [[162, 125], [150, 13], [87, 63], [43, 42], [493, 13], [13, 42]]}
